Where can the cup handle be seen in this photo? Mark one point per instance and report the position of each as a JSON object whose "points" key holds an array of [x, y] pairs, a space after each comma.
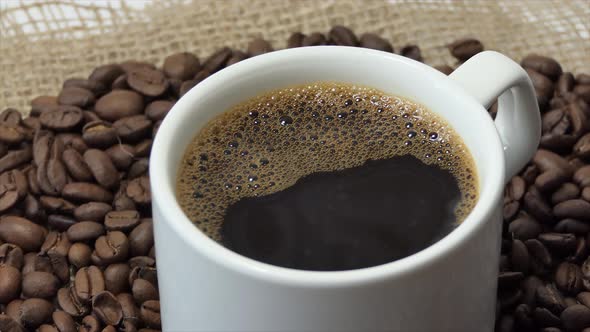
{"points": [[490, 74]]}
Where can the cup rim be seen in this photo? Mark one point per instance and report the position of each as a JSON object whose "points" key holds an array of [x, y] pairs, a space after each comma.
{"points": [[164, 198]]}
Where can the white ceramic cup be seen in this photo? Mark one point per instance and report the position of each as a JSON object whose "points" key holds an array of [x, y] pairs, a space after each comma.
{"points": [[449, 286]]}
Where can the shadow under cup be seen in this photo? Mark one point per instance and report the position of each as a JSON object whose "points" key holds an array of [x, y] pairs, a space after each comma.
{"points": [[389, 73]]}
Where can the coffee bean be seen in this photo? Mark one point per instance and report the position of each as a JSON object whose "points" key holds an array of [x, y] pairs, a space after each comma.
{"points": [[259, 46], [572, 226], [72, 141], [40, 284], [89, 282], [121, 155], [10, 117], [107, 308], [582, 147], [565, 84], [112, 248], [11, 135], [537, 206], [295, 40], [147, 273], [22, 232], [524, 228], [550, 180], [143, 291], [519, 256], [373, 41], [60, 222], [102, 168], [568, 278], [412, 52], [92, 211], [106, 74], [183, 65], [89, 324], [76, 96], [574, 208], [538, 251], [580, 252], [150, 313], [217, 60], [99, 134], [341, 35], [547, 160], [62, 118], [130, 311], [543, 87], [509, 279], [15, 158], [41, 104], [544, 65], [583, 90], [79, 255], [584, 298], [529, 288], [76, 165], [158, 109], [510, 209], [70, 303], [558, 242], [549, 297], [85, 231], [464, 49], [12, 309], [565, 192], [11, 255], [86, 192], [123, 221], [139, 190], [582, 176], [139, 168], [56, 204], [147, 81], [544, 318], [116, 278], [133, 128], [576, 317], [120, 83], [143, 148], [141, 261], [118, 104], [55, 243], [34, 262], [314, 39], [122, 201], [63, 322], [34, 312], [141, 239], [10, 283], [109, 328]]}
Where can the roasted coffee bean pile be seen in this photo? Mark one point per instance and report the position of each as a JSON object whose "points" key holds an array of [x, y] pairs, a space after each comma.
{"points": [[76, 239]]}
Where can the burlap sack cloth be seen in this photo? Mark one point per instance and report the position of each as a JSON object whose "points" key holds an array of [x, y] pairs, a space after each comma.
{"points": [[44, 42]]}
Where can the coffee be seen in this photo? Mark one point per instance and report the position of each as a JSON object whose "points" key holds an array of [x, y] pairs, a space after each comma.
{"points": [[327, 176]]}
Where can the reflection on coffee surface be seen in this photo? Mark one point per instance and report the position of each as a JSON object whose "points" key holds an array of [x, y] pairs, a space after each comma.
{"points": [[327, 176]]}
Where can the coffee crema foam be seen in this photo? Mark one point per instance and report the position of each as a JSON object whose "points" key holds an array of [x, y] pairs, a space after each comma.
{"points": [[267, 143]]}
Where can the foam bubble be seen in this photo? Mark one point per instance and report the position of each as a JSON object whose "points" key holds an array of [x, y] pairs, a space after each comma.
{"points": [[267, 143]]}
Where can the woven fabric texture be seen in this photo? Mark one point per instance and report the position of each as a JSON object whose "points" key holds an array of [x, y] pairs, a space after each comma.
{"points": [[44, 42]]}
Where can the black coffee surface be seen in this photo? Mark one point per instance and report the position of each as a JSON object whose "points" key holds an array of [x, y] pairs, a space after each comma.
{"points": [[326, 176], [348, 219]]}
